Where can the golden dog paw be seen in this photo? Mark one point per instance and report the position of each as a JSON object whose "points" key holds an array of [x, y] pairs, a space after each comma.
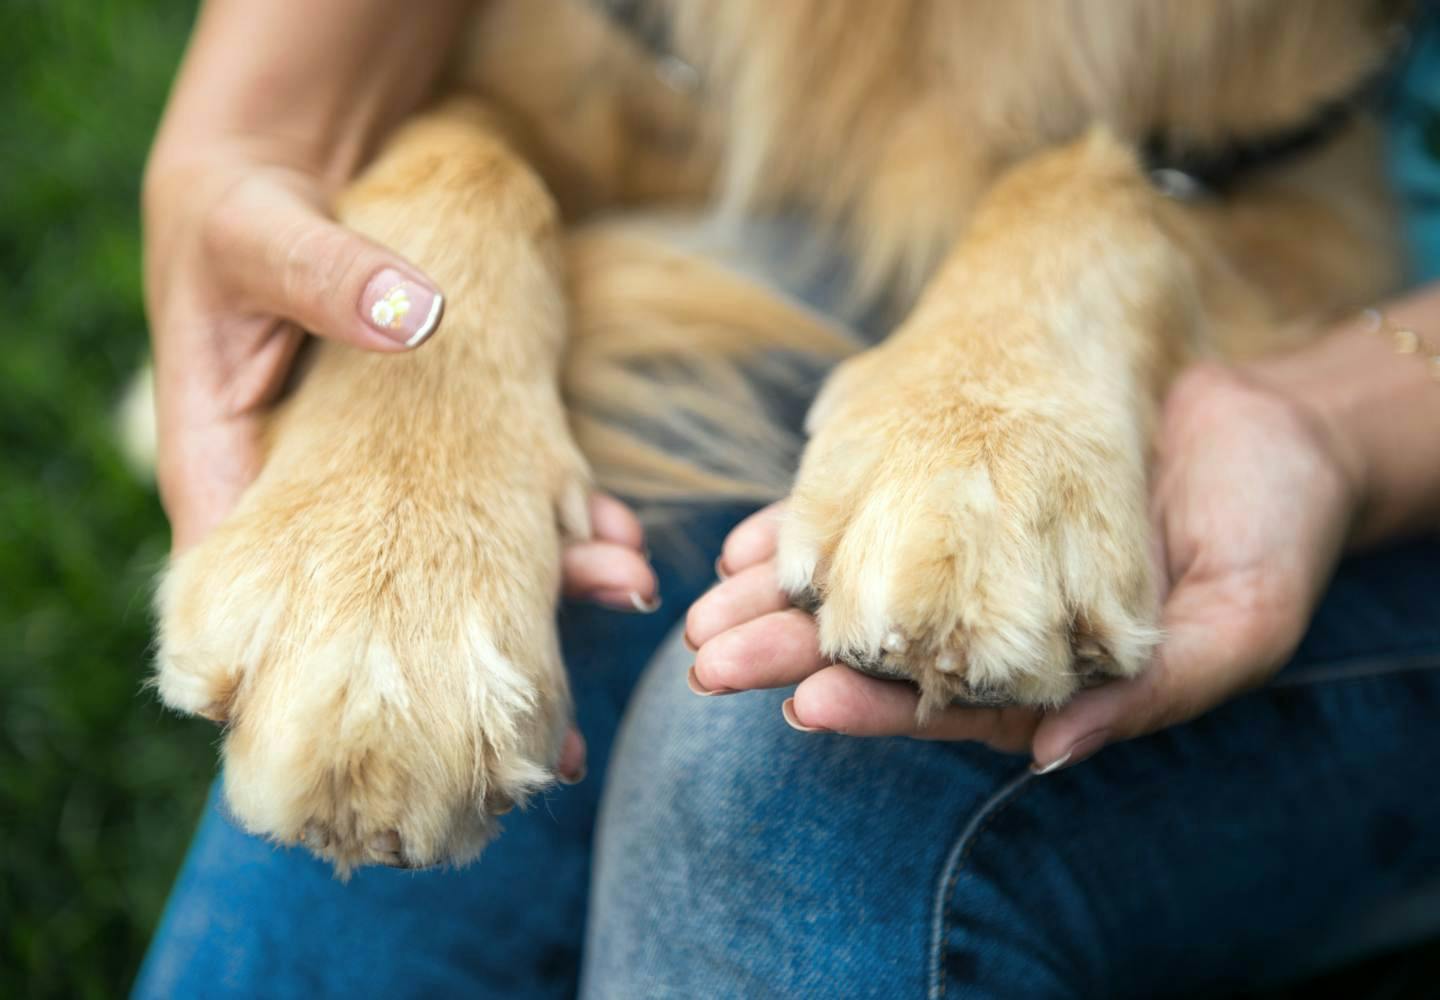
{"points": [[380, 645], [989, 544]]}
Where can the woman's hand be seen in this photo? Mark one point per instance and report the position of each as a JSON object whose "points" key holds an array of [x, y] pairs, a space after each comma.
{"points": [[1254, 496], [241, 256], [270, 116]]}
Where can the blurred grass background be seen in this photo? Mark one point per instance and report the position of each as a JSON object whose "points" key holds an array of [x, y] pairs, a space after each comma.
{"points": [[99, 788]]}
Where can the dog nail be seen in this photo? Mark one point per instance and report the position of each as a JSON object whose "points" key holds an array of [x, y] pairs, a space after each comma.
{"points": [[643, 606], [947, 663], [386, 843], [894, 643], [788, 710], [694, 682], [401, 308]]}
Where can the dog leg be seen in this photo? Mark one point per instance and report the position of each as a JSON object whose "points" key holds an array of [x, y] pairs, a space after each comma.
{"points": [[374, 623], [970, 512]]}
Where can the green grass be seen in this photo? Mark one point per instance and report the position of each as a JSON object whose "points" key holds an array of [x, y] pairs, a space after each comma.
{"points": [[99, 789]]}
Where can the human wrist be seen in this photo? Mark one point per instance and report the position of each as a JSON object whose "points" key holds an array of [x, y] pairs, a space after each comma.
{"points": [[1377, 408], [1310, 384], [312, 93]]}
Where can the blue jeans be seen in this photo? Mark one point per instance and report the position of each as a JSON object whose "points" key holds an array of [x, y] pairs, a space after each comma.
{"points": [[1295, 828]]}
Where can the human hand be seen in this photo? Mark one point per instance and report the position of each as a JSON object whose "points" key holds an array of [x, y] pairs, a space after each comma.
{"points": [[1253, 500], [241, 257]]}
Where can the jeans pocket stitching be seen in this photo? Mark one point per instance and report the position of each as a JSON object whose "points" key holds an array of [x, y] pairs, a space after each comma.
{"points": [[1358, 668], [955, 860]]}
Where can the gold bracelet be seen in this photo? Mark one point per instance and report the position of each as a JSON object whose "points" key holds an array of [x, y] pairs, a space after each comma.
{"points": [[1404, 340]]}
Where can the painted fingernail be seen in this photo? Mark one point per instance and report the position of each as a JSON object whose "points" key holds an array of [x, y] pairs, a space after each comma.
{"points": [[788, 710], [1081, 749], [643, 606], [626, 600], [401, 308], [700, 689], [1054, 765]]}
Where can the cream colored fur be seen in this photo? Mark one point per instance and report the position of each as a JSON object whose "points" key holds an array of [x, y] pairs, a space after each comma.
{"points": [[374, 623]]}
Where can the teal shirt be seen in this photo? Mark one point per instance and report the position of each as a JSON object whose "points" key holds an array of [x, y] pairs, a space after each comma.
{"points": [[1414, 149]]}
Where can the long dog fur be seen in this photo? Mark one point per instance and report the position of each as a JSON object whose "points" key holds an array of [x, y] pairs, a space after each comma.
{"points": [[373, 623]]}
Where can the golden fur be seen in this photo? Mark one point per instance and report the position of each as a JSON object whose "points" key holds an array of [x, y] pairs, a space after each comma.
{"points": [[374, 622]]}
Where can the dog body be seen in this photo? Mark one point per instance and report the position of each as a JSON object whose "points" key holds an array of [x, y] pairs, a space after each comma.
{"points": [[374, 622]]}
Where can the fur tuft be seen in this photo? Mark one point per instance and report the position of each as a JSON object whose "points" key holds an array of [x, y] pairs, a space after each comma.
{"points": [[674, 355]]}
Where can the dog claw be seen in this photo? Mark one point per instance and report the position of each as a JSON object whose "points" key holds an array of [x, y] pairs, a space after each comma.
{"points": [[315, 837]]}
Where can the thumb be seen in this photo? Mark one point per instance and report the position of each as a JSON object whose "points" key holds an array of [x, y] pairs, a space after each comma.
{"points": [[288, 259], [1215, 648]]}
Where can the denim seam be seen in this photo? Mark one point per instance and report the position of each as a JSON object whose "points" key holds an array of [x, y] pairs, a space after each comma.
{"points": [[954, 864], [1358, 669]]}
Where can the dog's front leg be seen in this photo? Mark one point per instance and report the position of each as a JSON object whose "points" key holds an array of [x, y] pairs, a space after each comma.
{"points": [[374, 622], [971, 510]]}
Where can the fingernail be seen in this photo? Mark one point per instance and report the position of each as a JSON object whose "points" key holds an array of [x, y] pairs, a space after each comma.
{"points": [[401, 308], [643, 606], [571, 779], [1054, 765], [720, 572], [626, 600], [688, 643], [701, 689], [788, 710], [1085, 747]]}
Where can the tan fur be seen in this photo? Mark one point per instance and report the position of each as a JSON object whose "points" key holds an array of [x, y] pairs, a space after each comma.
{"points": [[375, 620]]}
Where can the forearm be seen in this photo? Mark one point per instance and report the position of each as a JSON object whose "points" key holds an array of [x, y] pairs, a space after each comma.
{"points": [[312, 86], [1382, 409]]}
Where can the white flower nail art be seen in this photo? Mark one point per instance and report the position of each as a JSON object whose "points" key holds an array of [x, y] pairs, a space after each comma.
{"points": [[390, 311]]}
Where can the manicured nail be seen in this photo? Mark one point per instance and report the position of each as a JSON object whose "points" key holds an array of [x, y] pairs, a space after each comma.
{"points": [[1054, 765], [720, 571], [788, 710], [401, 308], [1081, 749], [625, 600], [701, 689], [643, 606]]}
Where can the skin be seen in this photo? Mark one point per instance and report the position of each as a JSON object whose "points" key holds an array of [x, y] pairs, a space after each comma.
{"points": [[272, 113], [1265, 474]]}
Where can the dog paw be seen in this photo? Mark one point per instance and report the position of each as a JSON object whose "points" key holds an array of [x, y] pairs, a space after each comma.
{"points": [[379, 644], [990, 547]]}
